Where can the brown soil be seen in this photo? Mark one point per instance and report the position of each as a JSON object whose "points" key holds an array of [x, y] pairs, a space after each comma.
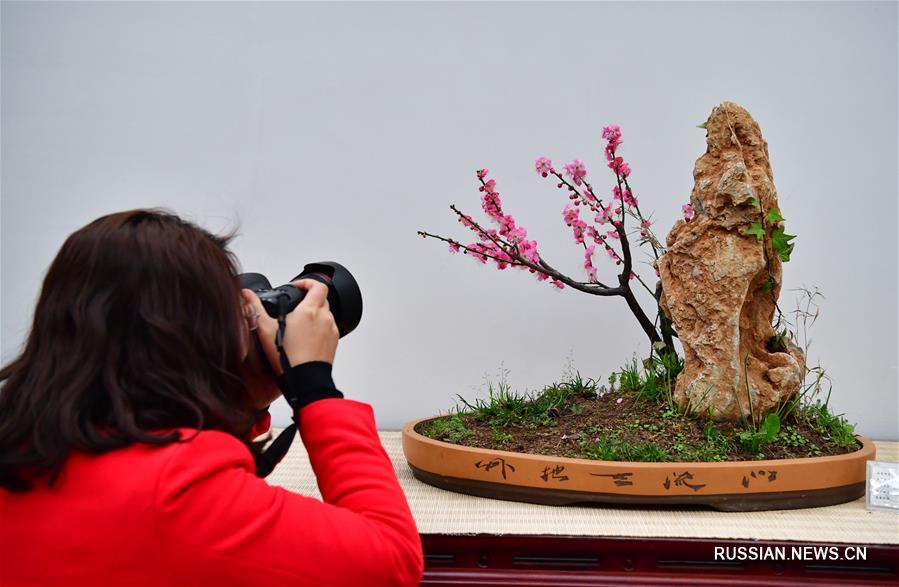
{"points": [[635, 421]]}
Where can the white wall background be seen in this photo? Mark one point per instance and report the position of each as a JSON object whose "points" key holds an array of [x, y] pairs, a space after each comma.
{"points": [[335, 131]]}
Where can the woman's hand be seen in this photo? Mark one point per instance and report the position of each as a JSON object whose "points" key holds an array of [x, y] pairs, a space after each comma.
{"points": [[311, 333]]}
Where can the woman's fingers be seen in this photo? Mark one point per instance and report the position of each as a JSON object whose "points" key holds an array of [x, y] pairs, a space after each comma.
{"points": [[311, 331], [316, 292]]}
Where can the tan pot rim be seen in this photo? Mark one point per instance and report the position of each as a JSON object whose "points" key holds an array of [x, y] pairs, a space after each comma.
{"points": [[866, 449], [726, 485]]}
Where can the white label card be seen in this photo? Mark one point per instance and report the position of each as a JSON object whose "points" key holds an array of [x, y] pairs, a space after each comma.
{"points": [[883, 486]]}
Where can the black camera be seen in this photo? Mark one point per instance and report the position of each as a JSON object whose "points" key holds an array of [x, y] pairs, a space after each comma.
{"points": [[344, 297]]}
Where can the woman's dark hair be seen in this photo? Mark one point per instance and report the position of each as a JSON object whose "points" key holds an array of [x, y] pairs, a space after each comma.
{"points": [[138, 330]]}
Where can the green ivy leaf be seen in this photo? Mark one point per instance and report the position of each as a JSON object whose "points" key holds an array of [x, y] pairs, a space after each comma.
{"points": [[768, 285], [774, 216], [668, 329], [754, 202], [703, 125], [780, 242], [755, 230]]}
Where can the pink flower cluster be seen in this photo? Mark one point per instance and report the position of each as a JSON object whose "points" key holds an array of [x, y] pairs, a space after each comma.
{"points": [[612, 135], [572, 217], [480, 251], [508, 243], [588, 263], [576, 171], [688, 212], [603, 214], [606, 214], [624, 195], [492, 244]]}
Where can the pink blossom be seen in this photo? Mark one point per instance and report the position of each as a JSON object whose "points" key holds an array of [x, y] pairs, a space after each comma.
{"points": [[688, 212], [506, 225], [610, 151], [482, 173], [588, 263], [518, 234], [544, 166], [454, 247], [475, 250], [625, 195], [558, 284], [646, 223], [542, 277], [576, 171], [502, 259], [611, 132], [528, 250], [570, 214], [619, 166], [613, 234], [492, 205], [605, 215], [619, 400], [578, 228]]}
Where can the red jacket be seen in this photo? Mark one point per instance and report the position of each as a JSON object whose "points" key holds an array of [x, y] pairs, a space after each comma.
{"points": [[194, 513]]}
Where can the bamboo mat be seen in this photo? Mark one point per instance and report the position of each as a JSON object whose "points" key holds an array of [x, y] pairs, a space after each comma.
{"points": [[442, 512]]}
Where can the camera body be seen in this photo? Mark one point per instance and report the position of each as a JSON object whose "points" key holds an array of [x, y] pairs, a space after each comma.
{"points": [[344, 296]]}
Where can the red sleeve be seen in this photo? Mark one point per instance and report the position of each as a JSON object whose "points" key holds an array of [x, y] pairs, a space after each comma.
{"points": [[220, 524]]}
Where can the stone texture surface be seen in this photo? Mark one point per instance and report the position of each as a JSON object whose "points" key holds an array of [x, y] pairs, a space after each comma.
{"points": [[713, 278]]}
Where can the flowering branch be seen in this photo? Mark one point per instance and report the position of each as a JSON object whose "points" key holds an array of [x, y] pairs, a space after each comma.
{"points": [[508, 244]]}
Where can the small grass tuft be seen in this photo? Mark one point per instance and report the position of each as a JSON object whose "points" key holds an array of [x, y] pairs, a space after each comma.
{"points": [[451, 429], [504, 407]]}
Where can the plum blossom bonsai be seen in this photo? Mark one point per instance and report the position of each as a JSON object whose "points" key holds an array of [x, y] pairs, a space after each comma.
{"points": [[718, 274]]}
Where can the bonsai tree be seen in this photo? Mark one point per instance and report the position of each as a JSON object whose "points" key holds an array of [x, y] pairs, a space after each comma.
{"points": [[596, 221], [719, 282]]}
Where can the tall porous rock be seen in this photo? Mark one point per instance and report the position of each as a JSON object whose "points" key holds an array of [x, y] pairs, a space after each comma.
{"points": [[714, 279]]}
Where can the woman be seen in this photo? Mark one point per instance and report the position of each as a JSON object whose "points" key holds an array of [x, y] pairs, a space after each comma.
{"points": [[125, 430]]}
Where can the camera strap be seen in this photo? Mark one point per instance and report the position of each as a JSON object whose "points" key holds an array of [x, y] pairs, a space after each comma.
{"points": [[279, 336], [269, 459]]}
